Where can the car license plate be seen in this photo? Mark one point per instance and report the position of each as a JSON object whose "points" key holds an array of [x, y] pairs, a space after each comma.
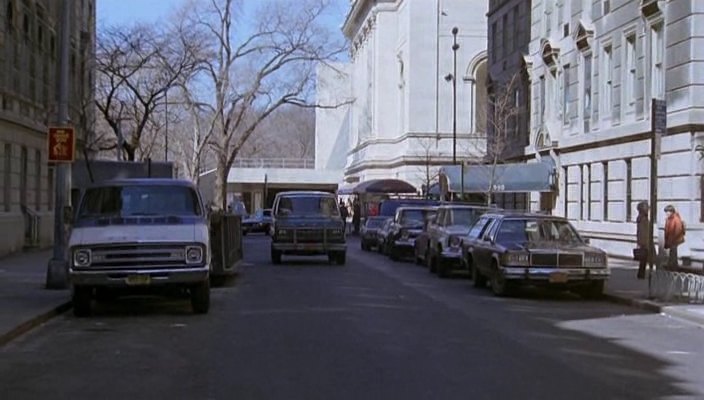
{"points": [[558, 277], [138, 280]]}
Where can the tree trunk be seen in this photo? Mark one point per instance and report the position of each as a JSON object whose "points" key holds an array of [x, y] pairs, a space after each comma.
{"points": [[220, 195]]}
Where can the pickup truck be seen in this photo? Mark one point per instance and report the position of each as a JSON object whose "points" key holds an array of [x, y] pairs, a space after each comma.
{"points": [[139, 235]]}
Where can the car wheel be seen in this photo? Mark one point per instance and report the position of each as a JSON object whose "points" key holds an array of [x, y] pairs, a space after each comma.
{"points": [[341, 258], [364, 246], [477, 277], [200, 297], [81, 298], [595, 290], [499, 284], [380, 248], [275, 256]]}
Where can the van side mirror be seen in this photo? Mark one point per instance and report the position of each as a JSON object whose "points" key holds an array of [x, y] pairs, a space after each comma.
{"points": [[68, 215]]}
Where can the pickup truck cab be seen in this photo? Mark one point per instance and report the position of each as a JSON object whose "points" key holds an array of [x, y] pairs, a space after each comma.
{"points": [[307, 223], [140, 234]]}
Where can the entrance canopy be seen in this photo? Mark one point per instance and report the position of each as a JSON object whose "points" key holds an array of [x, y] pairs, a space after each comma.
{"points": [[506, 178], [378, 186]]}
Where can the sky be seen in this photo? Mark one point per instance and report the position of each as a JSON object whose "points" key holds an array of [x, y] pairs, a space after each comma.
{"points": [[119, 12]]}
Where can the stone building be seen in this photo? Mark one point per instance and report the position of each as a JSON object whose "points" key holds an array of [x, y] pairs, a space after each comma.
{"points": [[596, 66], [400, 78], [29, 57]]}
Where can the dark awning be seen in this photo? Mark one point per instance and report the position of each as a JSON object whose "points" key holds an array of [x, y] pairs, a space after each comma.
{"points": [[384, 186], [506, 178]]}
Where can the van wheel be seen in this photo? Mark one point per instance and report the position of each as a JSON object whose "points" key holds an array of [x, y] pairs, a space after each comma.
{"points": [[81, 298], [200, 297], [275, 256]]}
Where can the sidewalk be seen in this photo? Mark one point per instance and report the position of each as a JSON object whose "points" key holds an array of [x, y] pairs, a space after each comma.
{"points": [[25, 304]]}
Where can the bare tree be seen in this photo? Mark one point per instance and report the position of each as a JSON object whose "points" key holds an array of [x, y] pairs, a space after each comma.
{"points": [[251, 71], [502, 121], [427, 172], [136, 66]]}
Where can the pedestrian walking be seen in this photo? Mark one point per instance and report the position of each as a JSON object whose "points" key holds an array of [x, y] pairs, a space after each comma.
{"points": [[356, 216], [344, 213], [641, 253], [674, 235]]}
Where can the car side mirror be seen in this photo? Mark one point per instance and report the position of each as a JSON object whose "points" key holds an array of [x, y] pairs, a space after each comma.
{"points": [[68, 215]]}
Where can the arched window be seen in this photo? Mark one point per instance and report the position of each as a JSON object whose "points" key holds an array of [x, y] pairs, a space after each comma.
{"points": [[480, 97]]}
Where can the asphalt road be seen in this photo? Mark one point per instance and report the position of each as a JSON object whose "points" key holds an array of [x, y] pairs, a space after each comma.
{"points": [[372, 329]]}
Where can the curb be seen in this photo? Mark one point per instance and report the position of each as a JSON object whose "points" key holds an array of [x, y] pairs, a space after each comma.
{"points": [[646, 305], [32, 323]]}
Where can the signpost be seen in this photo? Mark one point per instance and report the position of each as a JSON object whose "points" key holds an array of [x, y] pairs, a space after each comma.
{"points": [[62, 144], [658, 120]]}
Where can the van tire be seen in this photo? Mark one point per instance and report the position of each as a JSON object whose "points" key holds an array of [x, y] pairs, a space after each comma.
{"points": [[200, 297]]}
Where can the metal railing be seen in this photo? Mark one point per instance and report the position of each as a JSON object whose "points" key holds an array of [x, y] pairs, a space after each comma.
{"points": [[300, 163], [678, 286], [31, 227]]}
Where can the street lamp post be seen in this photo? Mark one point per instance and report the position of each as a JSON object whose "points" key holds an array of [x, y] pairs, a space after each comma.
{"points": [[453, 77], [166, 125]]}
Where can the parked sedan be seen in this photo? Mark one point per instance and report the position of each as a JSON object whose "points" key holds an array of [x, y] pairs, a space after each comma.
{"points": [[370, 230], [406, 226], [420, 246], [260, 221], [445, 236], [515, 249], [382, 235]]}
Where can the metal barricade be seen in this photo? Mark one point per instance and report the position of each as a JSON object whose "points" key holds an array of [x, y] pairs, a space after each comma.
{"points": [[225, 243], [678, 286]]}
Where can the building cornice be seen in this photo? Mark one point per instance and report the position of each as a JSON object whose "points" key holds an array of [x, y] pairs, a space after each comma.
{"points": [[405, 161], [415, 135]]}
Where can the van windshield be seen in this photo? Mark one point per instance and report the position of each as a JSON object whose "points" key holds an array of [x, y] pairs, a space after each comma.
{"points": [[144, 200], [308, 206]]}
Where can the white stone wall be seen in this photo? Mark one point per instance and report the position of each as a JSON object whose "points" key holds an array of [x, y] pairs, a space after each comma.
{"points": [[618, 134], [332, 125], [402, 50]]}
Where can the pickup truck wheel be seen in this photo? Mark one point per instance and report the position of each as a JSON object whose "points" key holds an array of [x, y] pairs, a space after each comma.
{"points": [[477, 277], [441, 268], [275, 256], [81, 298], [200, 297], [432, 264]]}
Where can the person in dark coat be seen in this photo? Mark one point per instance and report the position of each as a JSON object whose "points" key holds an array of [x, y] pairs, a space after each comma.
{"points": [[356, 216], [344, 213], [642, 237]]}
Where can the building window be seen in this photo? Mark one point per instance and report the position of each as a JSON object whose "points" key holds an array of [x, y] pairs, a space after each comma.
{"points": [[657, 71], [10, 17], [607, 81], [629, 195], [7, 175], [23, 176], [38, 179], [516, 27], [588, 181], [505, 36], [566, 95], [581, 192], [587, 96], [542, 101], [605, 184], [630, 72], [566, 172], [494, 39], [606, 6]]}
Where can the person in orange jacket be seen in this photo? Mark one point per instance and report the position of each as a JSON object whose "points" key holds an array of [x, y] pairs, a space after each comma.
{"points": [[674, 235]]}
